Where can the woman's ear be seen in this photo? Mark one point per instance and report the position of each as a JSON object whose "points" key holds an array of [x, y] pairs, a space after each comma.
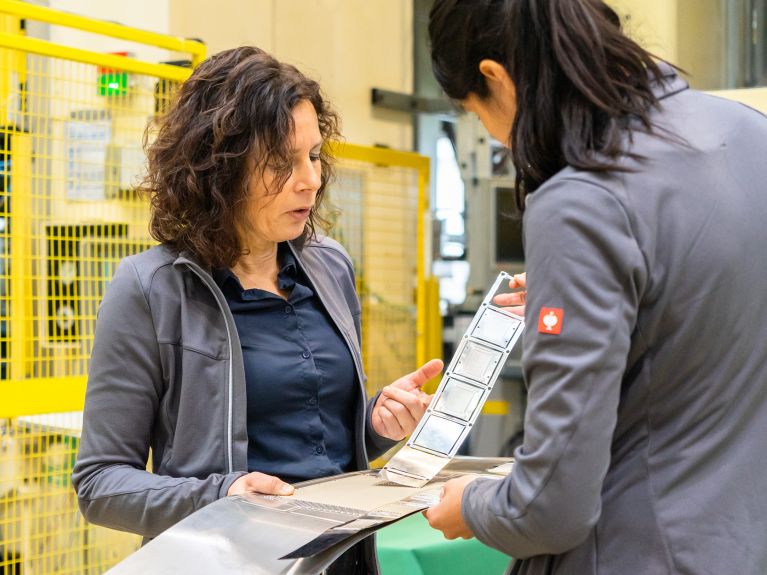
{"points": [[498, 80]]}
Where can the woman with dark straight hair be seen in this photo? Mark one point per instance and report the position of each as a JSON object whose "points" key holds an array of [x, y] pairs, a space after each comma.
{"points": [[644, 206]]}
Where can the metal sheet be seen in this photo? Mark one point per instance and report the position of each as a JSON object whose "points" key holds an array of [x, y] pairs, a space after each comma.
{"points": [[249, 534], [464, 388]]}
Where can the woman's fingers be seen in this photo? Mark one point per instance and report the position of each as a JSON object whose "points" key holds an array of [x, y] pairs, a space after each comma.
{"points": [[260, 483]]}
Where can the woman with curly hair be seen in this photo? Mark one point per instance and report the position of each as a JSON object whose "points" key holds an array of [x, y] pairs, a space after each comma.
{"points": [[232, 349]]}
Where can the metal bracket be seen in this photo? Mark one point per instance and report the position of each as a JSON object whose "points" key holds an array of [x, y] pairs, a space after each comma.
{"points": [[409, 103]]}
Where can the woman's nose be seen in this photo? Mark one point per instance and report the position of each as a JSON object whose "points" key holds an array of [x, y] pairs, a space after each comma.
{"points": [[309, 175]]}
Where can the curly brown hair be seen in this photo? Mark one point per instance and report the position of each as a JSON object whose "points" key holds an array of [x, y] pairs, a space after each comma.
{"points": [[230, 119]]}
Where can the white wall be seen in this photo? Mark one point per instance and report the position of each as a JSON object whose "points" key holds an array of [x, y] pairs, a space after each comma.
{"points": [[232, 22], [349, 46], [652, 23]]}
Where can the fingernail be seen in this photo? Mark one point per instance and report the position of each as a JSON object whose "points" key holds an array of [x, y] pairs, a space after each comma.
{"points": [[286, 489]]}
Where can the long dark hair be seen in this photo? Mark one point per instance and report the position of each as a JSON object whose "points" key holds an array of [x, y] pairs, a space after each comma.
{"points": [[230, 119], [581, 83]]}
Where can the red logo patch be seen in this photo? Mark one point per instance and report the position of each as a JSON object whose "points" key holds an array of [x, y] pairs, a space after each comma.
{"points": [[550, 320]]}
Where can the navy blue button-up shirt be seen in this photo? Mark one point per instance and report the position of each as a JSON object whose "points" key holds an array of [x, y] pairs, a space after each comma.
{"points": [[301, 384]]}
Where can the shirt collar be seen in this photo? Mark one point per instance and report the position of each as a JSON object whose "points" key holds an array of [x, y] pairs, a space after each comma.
{"points": [[286, 276]]}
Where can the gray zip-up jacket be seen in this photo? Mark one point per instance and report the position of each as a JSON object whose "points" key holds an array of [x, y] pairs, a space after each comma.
{"points": [[167, 373], [645, 449]]}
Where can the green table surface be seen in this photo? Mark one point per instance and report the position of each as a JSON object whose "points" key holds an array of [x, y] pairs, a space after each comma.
{"points": [[411, 547]]}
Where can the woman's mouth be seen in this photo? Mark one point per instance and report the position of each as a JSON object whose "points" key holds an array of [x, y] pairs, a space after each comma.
{"points": [[300, 214]]}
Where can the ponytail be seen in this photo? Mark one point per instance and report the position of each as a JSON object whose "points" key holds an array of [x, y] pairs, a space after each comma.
{"points": [[580, 82]]}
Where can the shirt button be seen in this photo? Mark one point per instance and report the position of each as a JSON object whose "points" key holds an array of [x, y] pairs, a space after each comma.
{"points": [[312, 401], [306, 355], [318, 450], [288, 309]]}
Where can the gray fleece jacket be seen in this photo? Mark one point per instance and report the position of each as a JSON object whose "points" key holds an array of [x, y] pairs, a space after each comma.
{"points": [[167, 374]]}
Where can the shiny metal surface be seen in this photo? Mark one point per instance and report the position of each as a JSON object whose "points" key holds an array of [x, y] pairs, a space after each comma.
{"points": [[249, 534], [463, 391], [230, 536]]}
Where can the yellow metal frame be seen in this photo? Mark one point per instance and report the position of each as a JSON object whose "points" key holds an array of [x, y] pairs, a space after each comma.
{"points": [[20, 395], [42, 395], [388, 157], [496, 408], [382, 157], [50, 49], [55, 394], [197, 49], [20, 307], [23, 396]]}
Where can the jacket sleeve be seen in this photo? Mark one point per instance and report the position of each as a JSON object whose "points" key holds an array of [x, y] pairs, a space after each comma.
{"points": [[125, 386], [582, 258]]}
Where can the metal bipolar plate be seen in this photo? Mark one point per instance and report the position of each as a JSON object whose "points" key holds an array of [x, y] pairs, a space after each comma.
{"points": [[461, 394], [334, 513]]}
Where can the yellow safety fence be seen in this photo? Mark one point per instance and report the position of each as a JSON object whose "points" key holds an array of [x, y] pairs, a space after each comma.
{"points": [[71, 126]]}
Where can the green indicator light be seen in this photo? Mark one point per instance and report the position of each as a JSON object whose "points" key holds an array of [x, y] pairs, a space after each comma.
{"points": [[113, 83]]}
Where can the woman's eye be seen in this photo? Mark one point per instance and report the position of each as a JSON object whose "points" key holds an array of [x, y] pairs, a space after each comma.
{"points": [[314, 157]]}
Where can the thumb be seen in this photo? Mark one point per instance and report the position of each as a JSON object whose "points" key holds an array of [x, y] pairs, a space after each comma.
{"points": [[426, 372], [282, 488], [285, 489], [270, 485]]}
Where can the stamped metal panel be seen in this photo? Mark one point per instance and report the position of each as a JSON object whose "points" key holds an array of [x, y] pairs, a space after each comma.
{"points": [[463, 391]]}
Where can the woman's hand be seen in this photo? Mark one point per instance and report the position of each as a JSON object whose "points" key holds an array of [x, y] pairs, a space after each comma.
{"points": [[260, 483], [515, 302], [401, 405], [446, 515]]}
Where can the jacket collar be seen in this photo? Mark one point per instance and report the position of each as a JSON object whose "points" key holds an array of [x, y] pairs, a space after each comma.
{"points": [[669, 83], [322, 282]]}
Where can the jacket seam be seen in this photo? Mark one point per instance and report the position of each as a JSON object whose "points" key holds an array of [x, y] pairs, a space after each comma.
{"points": [[229, 419], [340, 251], [333, 248], [145, 295], [137, 491], [650, 487], [192, 349], [625, 211]]}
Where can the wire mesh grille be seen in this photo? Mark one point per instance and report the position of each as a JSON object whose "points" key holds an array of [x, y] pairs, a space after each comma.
{"points": [[378, 227], [70, 212], [71, 155], [41, 530]]}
